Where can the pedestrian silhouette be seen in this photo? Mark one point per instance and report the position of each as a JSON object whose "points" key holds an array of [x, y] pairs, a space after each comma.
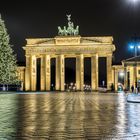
{"points": [[112, 87], [132, 88]]}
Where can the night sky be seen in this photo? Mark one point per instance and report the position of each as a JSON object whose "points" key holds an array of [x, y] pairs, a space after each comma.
{"points": [[119, 18]]}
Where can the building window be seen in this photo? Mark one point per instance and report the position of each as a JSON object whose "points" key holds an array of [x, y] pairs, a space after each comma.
{"points": [[138, 71]]}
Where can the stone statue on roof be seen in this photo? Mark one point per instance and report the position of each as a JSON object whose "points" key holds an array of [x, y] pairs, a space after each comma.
{"points": [[68, 17], [69, 30]]}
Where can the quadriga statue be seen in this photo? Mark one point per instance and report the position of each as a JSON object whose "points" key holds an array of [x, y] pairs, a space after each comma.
{"points": [[65, 31]]}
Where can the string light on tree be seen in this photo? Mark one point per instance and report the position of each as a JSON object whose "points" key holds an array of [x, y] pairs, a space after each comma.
{"points": [[8, 65]]}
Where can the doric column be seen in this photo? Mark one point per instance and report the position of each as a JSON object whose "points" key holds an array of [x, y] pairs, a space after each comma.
{"points": [[125, 78], [33, 73], [22, 78], [48, 71], [57, 77], [27, 74], [135, 76], [94, 72], [116, 80], [60, 72], [109, 71], [131, 73], [42, 73], [79, 72]]}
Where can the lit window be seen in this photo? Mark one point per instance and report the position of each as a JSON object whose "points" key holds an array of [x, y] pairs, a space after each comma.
{"points": [[138, 71]]}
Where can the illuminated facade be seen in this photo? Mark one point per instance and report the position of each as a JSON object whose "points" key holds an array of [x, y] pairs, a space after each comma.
{"points": [[78, 47], [132, 71], [129, 71], [62, 47], [69, 44]]}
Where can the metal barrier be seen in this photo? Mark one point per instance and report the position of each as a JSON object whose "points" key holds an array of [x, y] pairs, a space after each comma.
{"points": [[10, 87]]}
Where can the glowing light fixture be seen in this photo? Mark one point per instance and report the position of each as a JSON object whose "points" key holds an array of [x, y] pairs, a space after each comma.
{"points": [[135, 1], [121, 74], [131, 46]]}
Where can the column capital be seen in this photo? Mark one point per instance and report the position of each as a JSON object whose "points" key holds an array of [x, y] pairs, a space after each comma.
{"points": [[57, 55], [109, 55], [28, 56], [94, 54], [43, 55], [46, 55], [33, 55], [79, 55]]}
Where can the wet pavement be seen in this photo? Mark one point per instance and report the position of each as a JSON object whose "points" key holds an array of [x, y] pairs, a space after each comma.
{"points": [[64, 116]]}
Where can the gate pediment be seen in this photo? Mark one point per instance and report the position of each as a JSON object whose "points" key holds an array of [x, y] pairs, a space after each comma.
{"points": [[75, 40]]}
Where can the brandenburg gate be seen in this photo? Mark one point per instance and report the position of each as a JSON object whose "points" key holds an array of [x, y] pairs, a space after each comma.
{"points": [[68, 44]]}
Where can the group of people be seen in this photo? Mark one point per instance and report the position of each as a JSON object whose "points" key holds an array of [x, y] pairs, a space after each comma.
{"points": [[137, 89], [133, 89]]}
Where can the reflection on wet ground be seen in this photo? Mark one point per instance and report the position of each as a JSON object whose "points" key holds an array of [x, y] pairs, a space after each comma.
{"points": [[78, 116]]}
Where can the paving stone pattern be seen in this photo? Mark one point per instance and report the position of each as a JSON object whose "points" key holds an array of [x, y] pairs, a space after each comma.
{"points": [[68, 116]]}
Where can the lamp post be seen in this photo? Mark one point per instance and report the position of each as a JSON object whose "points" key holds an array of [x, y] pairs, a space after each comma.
{"points": [[135, 46]]}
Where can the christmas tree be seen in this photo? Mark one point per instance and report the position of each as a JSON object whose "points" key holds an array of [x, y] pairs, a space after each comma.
{"points": [[8, 65]]}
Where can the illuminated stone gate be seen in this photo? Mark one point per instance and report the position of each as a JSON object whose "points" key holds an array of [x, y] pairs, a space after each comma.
{"points": [[62, 47], [68, 44]]}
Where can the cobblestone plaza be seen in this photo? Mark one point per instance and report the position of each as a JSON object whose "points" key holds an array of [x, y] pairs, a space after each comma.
{"points": [[78, 116]]}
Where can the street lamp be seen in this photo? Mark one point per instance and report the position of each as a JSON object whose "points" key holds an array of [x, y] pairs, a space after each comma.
{"points": [[121, 74], [134, 2], [121, 78], [135, 46]]}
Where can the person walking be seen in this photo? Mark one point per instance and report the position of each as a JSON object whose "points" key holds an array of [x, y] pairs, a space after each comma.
{"points": [[132, 88]]}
